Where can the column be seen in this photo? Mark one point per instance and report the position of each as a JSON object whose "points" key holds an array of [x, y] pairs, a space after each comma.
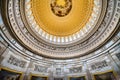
{"points": [[88, 74]]}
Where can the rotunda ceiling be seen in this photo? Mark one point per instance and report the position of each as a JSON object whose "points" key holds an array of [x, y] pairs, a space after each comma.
{"points": [[61, 29], [61, 17], [62, 21]]}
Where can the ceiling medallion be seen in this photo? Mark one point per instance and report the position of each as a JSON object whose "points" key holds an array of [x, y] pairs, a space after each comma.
{"points": [[61, 8]]}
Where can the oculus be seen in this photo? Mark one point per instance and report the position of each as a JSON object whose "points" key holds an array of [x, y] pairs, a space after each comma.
{"points": [[61, 8]]}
